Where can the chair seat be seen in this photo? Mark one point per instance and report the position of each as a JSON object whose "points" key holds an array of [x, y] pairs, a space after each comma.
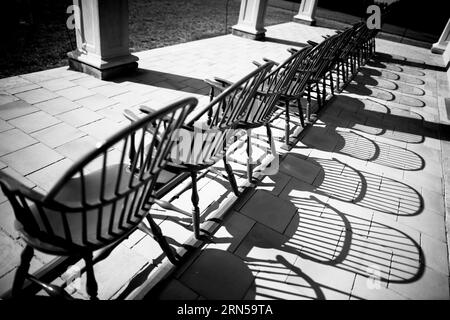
{"points": [[100, 214]]}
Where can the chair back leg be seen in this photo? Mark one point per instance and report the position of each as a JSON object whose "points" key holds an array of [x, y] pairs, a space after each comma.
{"points": [[249, 157], [91, 283], [22, 271], [300, 112], [155, 232]]}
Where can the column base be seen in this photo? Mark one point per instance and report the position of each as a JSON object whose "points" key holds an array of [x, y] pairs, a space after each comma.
{"points": [[102, 69], [248, 33], [438, 48], [304, 20]]}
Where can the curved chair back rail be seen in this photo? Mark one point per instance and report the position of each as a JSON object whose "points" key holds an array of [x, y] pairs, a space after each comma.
{"points": [[207, 135], [102, 198], [277, 83]]}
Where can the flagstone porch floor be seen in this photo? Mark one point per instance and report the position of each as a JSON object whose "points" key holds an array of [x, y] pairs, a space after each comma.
{"points": [[358, 209]]}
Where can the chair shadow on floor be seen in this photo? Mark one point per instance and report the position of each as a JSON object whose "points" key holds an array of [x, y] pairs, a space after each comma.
{"points": [[383, 94], [407, 62], [353, 242], [389, 75], [379, 193], [270, 265], [388, 85], [360, 147], [375, 63], [375, 118]]}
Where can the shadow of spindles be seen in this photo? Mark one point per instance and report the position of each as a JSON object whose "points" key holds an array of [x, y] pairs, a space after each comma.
{"points": [[355, 243]]}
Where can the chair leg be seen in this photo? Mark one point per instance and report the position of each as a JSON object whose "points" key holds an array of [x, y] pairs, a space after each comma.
{"points": [[343, 69], [249, 156], [331, 82], [287, 128], [91, 283], [231, 177], [319, 102], [338, 80], [308, 104], [22, 271], [196, 209], [271, 142], [300, 112], [324, 90], [155, 232]]}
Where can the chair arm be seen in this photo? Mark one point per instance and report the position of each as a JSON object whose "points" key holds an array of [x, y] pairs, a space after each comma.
{"points": [[256, 63], [146, 109], [268, 60], [215, 85], [312, 43], [130, 115], [224, 82], [292, 50], [261, 93]]}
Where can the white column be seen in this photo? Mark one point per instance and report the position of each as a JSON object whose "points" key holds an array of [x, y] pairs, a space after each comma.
{"points": [[251, 19], [102, 38], [439, 47], [307, 12]]}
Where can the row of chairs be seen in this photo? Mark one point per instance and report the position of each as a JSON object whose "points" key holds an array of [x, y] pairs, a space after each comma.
{"points": [[107, 194]]}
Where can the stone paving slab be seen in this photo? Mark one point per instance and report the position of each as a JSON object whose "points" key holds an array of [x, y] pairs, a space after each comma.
{"points": [[355, 212]]}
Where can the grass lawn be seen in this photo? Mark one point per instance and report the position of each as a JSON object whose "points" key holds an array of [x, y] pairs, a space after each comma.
{"points": [[42, 41]]}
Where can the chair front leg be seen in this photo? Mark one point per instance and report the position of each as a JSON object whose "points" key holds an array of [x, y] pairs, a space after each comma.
{"points": [[331, 82], [91, 283], [308, 104], [230, 176], [249, 157], [271, 142], [338, 76], [300, 112], [287, 129], [22, 271], [324, 90], [196, 209], [319, 102]]}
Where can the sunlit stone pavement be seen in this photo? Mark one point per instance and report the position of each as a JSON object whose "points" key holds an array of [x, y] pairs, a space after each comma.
{"points": [[357, 209]]}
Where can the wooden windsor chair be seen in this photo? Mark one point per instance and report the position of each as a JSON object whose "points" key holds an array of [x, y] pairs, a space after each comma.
{"points": [[100, 200], [205, 137], [278, 83]]}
